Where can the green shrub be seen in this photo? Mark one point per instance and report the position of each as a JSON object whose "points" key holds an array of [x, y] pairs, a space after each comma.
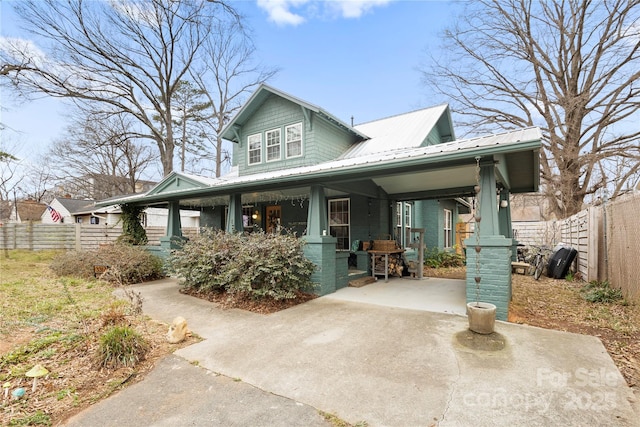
{"points": [[126, 264], [271, 266], [595, 291], [121, 346], [205, 260], [436, 258], [257, 265]]}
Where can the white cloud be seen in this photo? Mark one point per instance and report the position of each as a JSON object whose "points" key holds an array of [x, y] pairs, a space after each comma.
{"points": [[21, 51], [281, 12], [355, 8]]}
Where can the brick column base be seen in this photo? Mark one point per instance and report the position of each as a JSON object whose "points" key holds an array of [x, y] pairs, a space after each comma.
{"points": [[495, 272], [322, 252]]}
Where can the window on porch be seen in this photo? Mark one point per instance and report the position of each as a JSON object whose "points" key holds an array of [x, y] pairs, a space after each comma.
{"points": [[448, 232], [403, 223], [339, 223]]}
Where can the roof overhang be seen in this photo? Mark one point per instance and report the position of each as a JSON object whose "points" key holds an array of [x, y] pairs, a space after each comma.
{"points": [[437, 171]]}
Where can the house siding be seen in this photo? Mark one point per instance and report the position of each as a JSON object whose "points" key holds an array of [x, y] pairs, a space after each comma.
{"points": [[329, 141], [275, 113], [321, 140], [430, 215]]}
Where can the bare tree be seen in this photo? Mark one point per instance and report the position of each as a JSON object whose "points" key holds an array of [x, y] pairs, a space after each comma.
{"points": [[9, 172], [568, 66], [99, 157], [229, 74], [128, 57], [39, 179]]}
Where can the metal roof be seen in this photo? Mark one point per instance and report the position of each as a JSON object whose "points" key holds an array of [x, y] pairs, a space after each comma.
{"points": [[407, 170], [407, 130]]}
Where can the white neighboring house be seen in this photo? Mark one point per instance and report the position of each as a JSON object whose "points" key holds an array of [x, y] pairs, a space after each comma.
{"points": [[70, 211]]}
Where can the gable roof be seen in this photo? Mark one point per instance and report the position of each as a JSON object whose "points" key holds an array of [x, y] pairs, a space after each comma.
{"points": [[181, 181], [230, 131], [30, 210], [409, 130], [74, 205]]}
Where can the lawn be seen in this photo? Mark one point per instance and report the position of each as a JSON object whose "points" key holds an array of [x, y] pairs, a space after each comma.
{"points": [[57, 323]]}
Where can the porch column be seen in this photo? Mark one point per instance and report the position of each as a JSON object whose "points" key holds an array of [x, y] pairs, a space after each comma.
{"points": [[504, 215], [173, 237], [320, 249], [317, 214], [174, 225], [494, 256], [234, 217], [504, 220]]}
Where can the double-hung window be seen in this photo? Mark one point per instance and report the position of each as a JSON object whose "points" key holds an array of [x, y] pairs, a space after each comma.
{"points": [[255, 149], [448, 233], [339, 223], [294, 140], [403, 223], [273, 145]]}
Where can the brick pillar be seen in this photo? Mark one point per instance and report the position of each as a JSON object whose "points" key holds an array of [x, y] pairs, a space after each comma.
{"points": [[321, 250]]}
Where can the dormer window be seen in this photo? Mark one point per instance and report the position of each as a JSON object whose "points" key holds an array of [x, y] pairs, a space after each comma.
{"points": [[273, 145], [255, 149], [294, 140]]}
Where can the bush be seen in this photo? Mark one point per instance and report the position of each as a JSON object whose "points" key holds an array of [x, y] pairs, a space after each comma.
{"points": [[121, 346], [257, 265], [436, 258], [126, 264], [595, 291]]}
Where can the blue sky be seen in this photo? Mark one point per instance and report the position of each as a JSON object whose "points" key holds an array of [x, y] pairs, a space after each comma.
{"points": [[351, 58]]}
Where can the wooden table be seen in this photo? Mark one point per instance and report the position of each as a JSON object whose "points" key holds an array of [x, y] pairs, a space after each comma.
{"points": [[386, 261]]}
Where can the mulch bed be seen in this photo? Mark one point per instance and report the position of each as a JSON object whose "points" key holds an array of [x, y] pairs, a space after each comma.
{"points": [[244, 302]]}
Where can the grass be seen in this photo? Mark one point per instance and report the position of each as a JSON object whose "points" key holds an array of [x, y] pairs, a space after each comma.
{"points": [[58, 322]]}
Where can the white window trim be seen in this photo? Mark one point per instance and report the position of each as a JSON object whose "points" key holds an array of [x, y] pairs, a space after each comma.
{"points": [[267, 146], [286, 141], [348, 225], [448, 232], [249, 163]]}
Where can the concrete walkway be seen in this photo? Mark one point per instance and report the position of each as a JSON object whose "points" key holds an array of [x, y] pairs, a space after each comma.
{"points": [[387, 366]]}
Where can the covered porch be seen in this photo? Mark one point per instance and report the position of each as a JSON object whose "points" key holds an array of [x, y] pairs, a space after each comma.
{"points": [[496, 165]]}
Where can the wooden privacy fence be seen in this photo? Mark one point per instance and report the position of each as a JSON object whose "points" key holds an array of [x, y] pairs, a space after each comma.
{"points": [[70, 236], [622, 239], [607, 238]]}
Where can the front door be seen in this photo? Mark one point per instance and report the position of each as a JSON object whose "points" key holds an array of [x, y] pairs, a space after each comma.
{"points": [[274, 215]]}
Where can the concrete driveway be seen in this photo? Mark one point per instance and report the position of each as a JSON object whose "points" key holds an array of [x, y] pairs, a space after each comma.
{"points": [[387, 366]]}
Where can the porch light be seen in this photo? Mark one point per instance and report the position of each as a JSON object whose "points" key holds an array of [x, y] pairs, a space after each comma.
{"points": [[255, 215], [504, 203]]}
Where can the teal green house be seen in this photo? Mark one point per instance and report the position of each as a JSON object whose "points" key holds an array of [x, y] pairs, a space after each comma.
{"points": [[298, 167]]}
